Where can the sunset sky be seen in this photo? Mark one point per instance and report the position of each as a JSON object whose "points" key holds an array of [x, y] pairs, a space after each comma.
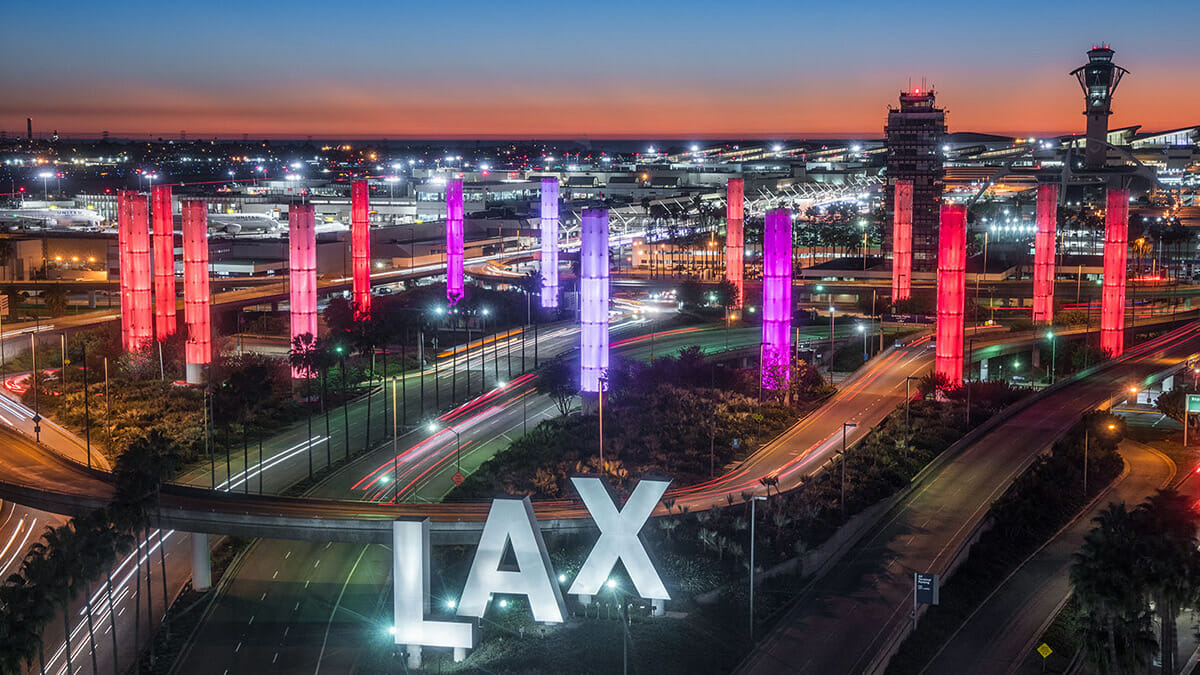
{"points": [[617, 68]]}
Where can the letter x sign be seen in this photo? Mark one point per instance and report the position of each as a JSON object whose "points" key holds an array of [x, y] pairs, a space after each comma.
{"points": [[619, 537]]}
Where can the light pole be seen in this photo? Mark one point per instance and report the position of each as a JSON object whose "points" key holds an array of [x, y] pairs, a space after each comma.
{"points": [[433, 428], [845, 426], [395, 450], [603, 380], [1053, 354], [831, 344], [45, 176], [907, 400], [863, 331], [753, 501]]}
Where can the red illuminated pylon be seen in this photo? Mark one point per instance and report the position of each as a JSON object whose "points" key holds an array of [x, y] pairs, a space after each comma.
{"points": [[164, 263], [133, 238], [196, 312], [952, 277], [734, 244], [360, 247], [1043, 253], [902, 241], [1116, 253]]}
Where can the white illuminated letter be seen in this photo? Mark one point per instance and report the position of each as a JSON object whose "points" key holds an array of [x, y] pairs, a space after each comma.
{"points": [[619, 537], [410, 557], [511, 520]]}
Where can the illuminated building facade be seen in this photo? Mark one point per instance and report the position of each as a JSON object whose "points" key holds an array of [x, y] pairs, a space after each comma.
{"points": [[1043, 253], [914, 140], [951, 287], [196, 310], [777, 299], [360, 247], [1116, 254], [593, 287]]}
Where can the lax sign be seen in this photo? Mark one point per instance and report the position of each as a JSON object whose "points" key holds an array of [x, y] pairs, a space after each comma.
{"points": [[511, 520]]}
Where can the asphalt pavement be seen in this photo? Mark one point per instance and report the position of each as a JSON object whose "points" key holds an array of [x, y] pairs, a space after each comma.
{"points": [[848, 620]]}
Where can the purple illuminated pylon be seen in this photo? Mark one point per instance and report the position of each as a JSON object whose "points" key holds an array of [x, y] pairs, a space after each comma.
{"points": [[777, 299], [454, 240], [593, 287], [734, 240], [549, 269], [1043, 253]]}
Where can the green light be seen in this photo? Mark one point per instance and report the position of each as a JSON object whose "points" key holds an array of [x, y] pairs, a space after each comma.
{"points": [[820, 288]]}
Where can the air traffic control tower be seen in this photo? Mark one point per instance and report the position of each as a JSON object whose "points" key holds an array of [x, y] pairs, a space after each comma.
{"points": [[1099, 80]]}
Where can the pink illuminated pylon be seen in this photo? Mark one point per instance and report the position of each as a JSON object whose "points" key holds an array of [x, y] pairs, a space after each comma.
{"points": [[902, 241], [137, 314], [735, 197], [951, 286], [360, 247], [1116, 254], [549, 267], [196, 311], [164, 263], [302, 247], [593, 288], [1043, 253], [454, 240], [777, 300]]}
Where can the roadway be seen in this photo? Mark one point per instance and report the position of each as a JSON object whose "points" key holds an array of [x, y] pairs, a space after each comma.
{"points": [[1000, 634], [849, 620]]}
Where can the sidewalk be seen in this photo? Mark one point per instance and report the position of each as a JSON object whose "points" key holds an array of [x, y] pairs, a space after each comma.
{"points": [[1000, 636]]}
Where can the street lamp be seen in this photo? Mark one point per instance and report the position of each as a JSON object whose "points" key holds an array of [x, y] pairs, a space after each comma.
{"points": [[863, 331], [45, 176], [1053, 354], [433, 428], [753, 501], [831, 344], [907, 399], [845, 426]]}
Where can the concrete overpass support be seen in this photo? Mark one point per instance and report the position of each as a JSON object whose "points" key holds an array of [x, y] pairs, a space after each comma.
{"points": [[91, 297], [983, 370], [201, 562]]}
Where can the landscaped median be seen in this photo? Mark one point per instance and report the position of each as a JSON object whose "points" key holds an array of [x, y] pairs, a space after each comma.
{"points": [[703, 557]]}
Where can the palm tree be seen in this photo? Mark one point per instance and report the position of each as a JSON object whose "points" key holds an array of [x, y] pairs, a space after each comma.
{"points": [[1171, 563], [304, 357], [56, 557], [138, 476], [1110, 589]]}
